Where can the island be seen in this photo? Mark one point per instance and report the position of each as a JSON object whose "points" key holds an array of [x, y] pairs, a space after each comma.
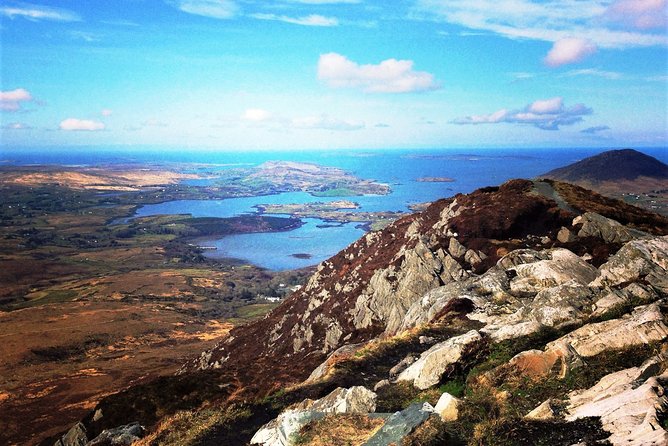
{"points": [[333, 212], [435, 180]]}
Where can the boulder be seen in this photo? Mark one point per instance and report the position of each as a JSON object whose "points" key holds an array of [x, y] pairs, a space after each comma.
{"points": [[562, 266], [282, 430], [401, 424], [646, 258], [565, 235], [428, 370], [76, 436], [447, 407], [630, 412], [343, 352], [610, 231], [119, 436]]}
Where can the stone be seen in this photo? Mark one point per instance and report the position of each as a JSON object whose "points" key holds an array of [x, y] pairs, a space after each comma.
{"points": [[357, 399], [565, 235], [76, 436], [403, 365], [427, 340], [630, 412], [380, 384], [646, 258], [610, 231], [119, 436], [401, 424], [281, 430], [561, 305], [562, 266], [456, 249], [447, 407], [428, 370], [542, 412]]}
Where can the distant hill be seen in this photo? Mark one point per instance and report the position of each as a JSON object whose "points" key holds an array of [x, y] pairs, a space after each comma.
{"points": [[626, 164], [626, 174]]}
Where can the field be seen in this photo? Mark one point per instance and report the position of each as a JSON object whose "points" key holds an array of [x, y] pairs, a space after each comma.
{"points": [[88, 308]]}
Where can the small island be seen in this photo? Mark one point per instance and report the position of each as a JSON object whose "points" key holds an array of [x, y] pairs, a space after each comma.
{"points": [[435, 180]]}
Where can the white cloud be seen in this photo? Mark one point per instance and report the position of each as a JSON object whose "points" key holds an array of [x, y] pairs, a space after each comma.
{"points": [[38, 12], [641, 14], [106, 112], [81, 124], [545, 114], [256, 115], [324, 122], [389, 76], [11, 100], [311, 20], [85, 36], [569, 50], [547, 20], [613, 75], [217, 9]]}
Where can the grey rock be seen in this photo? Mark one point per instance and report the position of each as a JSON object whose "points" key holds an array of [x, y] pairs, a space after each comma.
{"points": [[401, 424], [629, 403], [119, 436], [566, 236], [282, 430], [560, 267], [646, 258], [610, 231], [76, 436], [427, 340], [428, 370], [456, 249], [342, 352]]}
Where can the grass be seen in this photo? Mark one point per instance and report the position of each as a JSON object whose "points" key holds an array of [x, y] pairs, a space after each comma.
{"points": [[339, 430]]}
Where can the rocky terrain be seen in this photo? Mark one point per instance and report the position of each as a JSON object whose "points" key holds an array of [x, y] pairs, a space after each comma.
{"points": [[530, 313]]}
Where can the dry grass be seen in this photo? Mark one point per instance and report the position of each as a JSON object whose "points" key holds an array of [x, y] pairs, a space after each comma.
{"points": [[339, 430]]}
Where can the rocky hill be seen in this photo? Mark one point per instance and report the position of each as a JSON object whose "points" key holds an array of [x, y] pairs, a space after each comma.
{"points": [[627, 174], [533, 311]]}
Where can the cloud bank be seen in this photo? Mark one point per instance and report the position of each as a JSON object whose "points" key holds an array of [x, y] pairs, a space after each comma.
{"points": [[389, 76], [74, 124], [552, 20], [546, 114]]}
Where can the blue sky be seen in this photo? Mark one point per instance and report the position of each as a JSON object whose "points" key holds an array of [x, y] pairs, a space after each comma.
{"points": [[325, 74]]}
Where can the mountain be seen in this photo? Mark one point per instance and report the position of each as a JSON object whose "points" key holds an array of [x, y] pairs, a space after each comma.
{"points": [[627, 174], [531, 295], [613, 165]]}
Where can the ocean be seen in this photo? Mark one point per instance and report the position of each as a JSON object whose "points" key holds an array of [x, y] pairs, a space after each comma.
{"points": [[316, 241]]}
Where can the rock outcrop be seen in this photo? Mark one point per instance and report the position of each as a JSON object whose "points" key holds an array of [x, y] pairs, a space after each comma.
{"points": [[428, 370]]}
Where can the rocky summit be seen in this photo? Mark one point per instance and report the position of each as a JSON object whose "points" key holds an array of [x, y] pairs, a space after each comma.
{"points": [[530, 313]]}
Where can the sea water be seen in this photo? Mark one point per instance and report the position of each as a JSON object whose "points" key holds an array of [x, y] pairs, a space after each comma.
{"points": [[316, 241]]}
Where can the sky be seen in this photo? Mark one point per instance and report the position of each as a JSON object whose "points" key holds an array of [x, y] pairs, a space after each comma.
{"points": [[329, 74]]}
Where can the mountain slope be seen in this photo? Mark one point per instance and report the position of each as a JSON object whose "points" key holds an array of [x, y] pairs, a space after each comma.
{"points": [[481, 262]]}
